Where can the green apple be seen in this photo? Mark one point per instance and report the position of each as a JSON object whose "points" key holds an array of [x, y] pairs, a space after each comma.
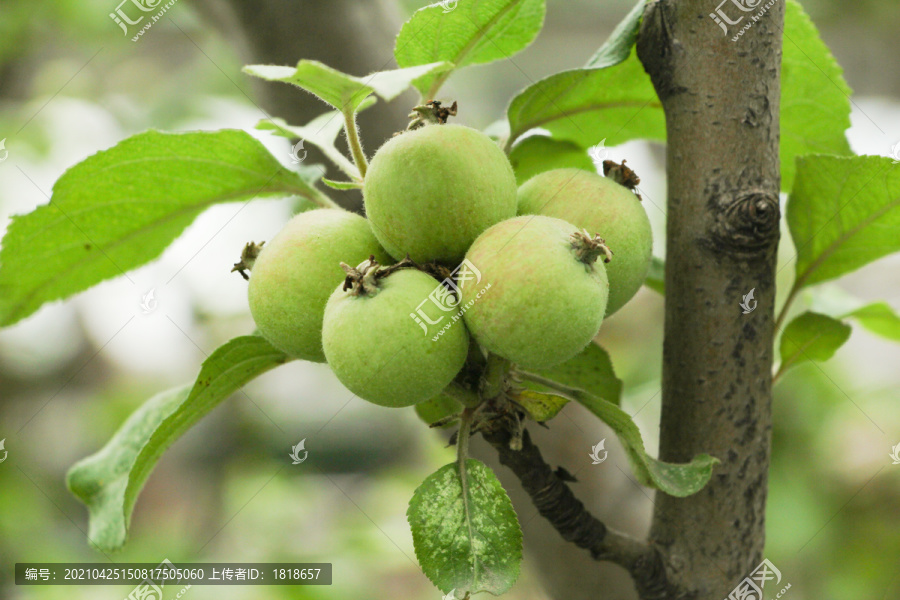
{"points": [[601, 206], [297, 271], [430, 192], [537, 294], [380, 349]]}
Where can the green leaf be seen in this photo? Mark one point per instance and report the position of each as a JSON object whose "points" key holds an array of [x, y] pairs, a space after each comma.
{"points": [[621, 40], [467, 537], [586, 105], [674, 479], [109, 481], [341, 90], [842, 214], [811, 337], [815, 99], [879, 318], [540, 406], [656, 277], [474, 32], [590, 371], [320, 132], [121, 207], [539, 153], [439, 407]]}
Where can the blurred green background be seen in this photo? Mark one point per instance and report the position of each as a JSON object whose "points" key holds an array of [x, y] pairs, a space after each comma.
{"points": [[71, 84]]}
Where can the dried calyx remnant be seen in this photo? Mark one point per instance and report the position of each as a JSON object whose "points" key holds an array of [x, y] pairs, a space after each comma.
{"points": [[248, 258], [363, 278], [622, 175], [589, 248], [430, 113]]}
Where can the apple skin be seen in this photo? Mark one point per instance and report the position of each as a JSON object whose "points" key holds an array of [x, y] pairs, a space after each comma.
{"points": [[379, 351], [536, 304], [297, 271], [604, 207], [430, 192]]}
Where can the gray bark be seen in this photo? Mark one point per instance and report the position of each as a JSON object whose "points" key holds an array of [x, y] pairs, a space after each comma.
{"points": [[721, 100]]}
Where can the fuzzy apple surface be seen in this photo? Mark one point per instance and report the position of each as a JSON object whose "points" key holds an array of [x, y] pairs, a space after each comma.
{"points": [[297, 271], [381, 353], [430, 192], [601, 206], [536, 302]]}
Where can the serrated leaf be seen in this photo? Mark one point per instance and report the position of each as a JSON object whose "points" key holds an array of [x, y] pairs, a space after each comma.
{"points": [[109, 481], [474, 32], [843, 213], [815, 99], [540, 406], [439, 407], [674, 479], [621, 40], [586, 105], [341, 90], [467, 537], [591, 371], [811, 337], [120, 208], [539, 153], [656, 277]]}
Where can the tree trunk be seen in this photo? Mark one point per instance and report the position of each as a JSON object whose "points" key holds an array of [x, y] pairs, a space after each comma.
{"points": [[721, 99]]}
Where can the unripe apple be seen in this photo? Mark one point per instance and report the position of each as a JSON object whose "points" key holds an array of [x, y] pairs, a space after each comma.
{"points": [[430, 192], [603, 207], [377, 347], [297, 271], [541, 294]]}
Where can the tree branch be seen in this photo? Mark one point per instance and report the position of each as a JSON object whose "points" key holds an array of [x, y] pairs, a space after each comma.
{"points": [[556, 503], [721, 95]]}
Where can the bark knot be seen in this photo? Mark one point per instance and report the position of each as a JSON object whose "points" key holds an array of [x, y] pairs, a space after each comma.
{"points": [[746, 221]]}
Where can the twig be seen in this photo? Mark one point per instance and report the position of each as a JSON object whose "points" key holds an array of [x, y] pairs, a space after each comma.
{"points": [[556, 503]]}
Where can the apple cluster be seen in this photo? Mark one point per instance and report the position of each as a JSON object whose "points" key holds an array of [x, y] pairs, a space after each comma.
{"points": [[451, 252]]}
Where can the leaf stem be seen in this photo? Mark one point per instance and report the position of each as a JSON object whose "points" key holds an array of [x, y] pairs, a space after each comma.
{"points": [[570, 392], [787, 304], [353, 141]]}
